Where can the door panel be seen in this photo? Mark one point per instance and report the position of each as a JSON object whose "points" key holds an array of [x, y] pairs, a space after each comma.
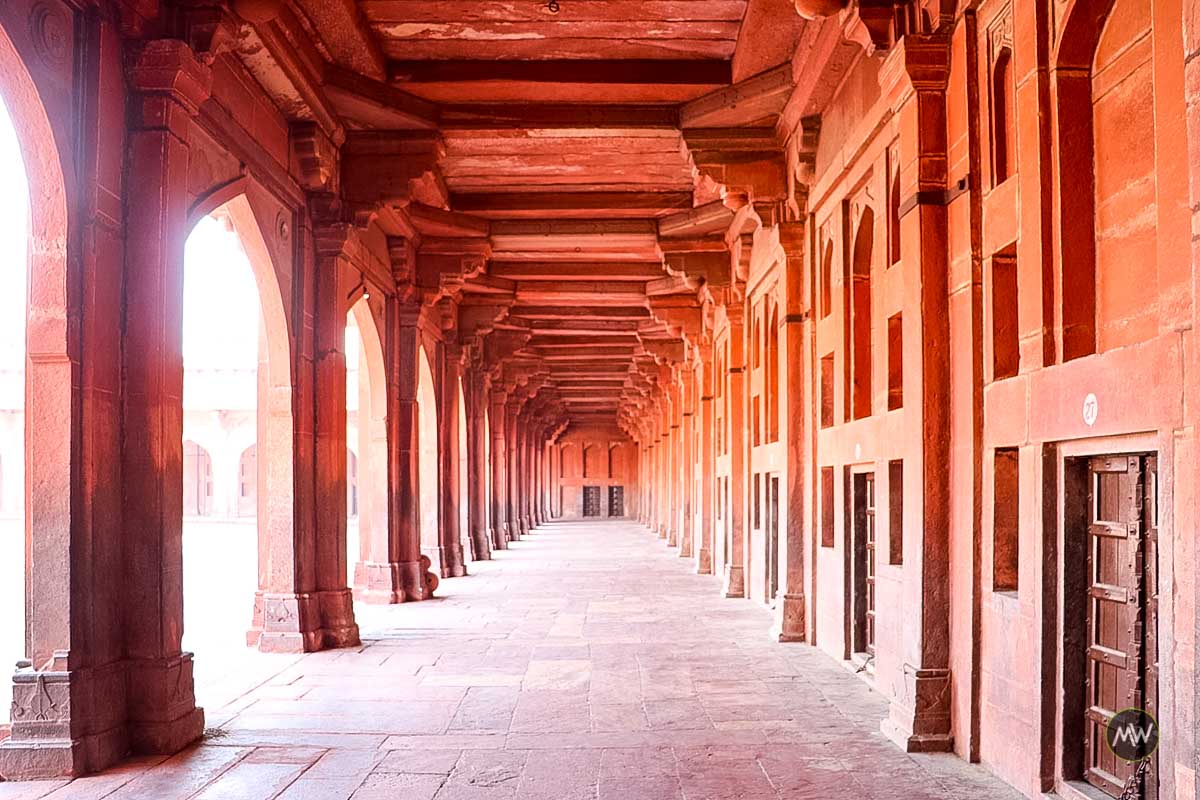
{"points": [[1121, 589]]}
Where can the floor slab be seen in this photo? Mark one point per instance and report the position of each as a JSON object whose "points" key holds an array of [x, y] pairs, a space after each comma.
{"points": [[585, 662]]}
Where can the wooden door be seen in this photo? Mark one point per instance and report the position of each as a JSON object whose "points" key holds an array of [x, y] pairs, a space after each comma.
{"points": [[591, 501], [863, 565], [616, 501], [1121, 591], [772, 537]]}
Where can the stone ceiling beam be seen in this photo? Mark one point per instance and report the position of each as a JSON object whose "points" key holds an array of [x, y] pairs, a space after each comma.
{"points": [[539, 205], [625, 71]]}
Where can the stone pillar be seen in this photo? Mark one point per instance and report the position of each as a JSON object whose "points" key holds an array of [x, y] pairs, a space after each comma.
{"points": [[914, 78], [404, 420], [499, 416], [334, 600], [674, 462], [735, 575], [796, 431], [450, 534], [474, 392], [687, 468], [511, 452], [162, 713], [707, 465]]}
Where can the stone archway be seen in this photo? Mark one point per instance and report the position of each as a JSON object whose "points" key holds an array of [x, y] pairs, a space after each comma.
{"points": [[49, 617], [256, 384], [14, 259]]}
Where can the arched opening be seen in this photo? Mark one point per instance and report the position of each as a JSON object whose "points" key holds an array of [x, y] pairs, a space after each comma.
{"points": [[464, 495], [14, 264], [237, 401], [894, 218], [247, 499], [827, 281], [366, 430], [33, 274], [1003, 118], [860, 311], [594, 461], [197, 481], [427, 454]]}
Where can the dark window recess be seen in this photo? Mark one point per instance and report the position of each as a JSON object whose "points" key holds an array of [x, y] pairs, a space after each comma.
{"points": [[1006, 350], [895, 363], [1006, 515], [827, 506], [827, 391], [896, 512]]}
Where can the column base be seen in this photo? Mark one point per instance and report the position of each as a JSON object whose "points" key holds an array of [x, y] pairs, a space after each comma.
{"points": [[338, 628], [734, 584], [418, 582], [789, 618], [378, 583], [685, 546], [662, 531], [481, 546], [499, 538], [925, 726], [163, 717], [285, 623], [704, 565], [453, 565], [65, 723]]}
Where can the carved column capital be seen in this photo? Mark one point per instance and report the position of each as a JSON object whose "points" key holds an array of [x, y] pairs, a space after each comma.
{"points": [[171, 82]]}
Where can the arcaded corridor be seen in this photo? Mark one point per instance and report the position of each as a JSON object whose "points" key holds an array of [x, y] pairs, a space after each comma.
{"points": [[586, 662], [814, 381]]}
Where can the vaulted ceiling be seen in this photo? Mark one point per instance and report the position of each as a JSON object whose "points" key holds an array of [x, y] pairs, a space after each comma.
{"points": [[591, 160]]}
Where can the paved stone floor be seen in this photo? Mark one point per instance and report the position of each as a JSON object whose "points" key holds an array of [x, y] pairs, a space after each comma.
{"points": [[586, 662]]}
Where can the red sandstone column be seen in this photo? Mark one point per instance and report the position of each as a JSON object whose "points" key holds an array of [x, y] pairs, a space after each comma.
{"points": [[162, 713], [687, 471], [453, 564], [674, 437], [795, 430], [914, 79], [735, 583], [334, 603], [511, 452], [707, 465], [405, 490], [474, 392], [499, 416]]}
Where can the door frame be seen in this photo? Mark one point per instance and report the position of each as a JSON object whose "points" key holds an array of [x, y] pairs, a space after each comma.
{"points": [[1060, 757]]}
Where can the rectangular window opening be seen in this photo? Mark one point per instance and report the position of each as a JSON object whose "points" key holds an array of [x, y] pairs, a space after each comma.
{"points": [[827, 391], [826, 506], [896, 512], [895, 330], [1006, 350], [1006, 515]]}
